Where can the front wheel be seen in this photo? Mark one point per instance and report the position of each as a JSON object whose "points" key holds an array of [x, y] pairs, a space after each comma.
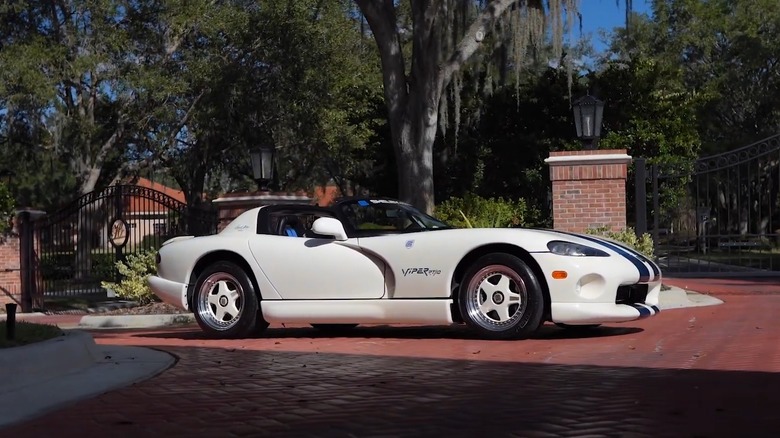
{"points": [[501, 298], [225, 302]]}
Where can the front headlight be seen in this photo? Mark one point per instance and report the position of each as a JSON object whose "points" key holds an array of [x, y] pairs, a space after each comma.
{"points": [[574, 249]]}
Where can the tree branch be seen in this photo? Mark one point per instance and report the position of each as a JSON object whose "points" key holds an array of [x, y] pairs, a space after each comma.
{"points": [[95, 169], [380, 15], [172, 42], [186, 118]]}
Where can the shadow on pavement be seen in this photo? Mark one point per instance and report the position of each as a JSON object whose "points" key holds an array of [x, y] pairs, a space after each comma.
{"points": [[546, 332], [213, 392]]}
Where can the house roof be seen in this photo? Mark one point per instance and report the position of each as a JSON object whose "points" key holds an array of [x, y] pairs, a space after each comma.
{"points": [[137, 204], [173, 193], [323, 195]]}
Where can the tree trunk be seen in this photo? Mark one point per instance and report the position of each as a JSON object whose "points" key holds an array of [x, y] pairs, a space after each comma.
{"points": [[415, 165], [414, 153], [413, 101], [195, 215]]}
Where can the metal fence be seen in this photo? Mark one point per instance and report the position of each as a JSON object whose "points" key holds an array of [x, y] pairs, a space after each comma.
{"points": [[78, 247], [720, 214]]}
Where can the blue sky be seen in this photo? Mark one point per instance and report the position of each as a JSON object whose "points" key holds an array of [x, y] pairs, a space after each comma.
{"points": [[605, 14]]}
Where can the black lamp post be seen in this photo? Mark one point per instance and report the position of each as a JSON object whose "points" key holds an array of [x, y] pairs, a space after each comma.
{"points": [[588, 113], [263, 166]]}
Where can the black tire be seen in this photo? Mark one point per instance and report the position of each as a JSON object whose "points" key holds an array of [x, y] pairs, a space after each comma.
{"points": [[334, 327], [225, 302], [513, 309], [260, 323]]}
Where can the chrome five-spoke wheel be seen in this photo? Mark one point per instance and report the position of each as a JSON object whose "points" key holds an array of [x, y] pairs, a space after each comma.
{"points": [[220, 301], [496, 297], [501, 297], [225, 302]]}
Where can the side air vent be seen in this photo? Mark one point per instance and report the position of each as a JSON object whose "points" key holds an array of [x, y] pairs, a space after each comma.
{"points": [[636, 293]]}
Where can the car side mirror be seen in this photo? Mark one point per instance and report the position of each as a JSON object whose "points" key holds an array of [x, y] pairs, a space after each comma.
{"points": [[329, 226]]}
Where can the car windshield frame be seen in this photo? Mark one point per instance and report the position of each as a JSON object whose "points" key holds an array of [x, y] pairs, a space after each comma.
{"points": [[355, 226]]}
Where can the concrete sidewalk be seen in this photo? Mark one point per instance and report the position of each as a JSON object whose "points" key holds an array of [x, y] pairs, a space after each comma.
{"points": [[60, 371]]}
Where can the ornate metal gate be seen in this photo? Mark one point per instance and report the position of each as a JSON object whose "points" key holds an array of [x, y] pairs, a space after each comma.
{"points": [[77, 247], [720, 215]]}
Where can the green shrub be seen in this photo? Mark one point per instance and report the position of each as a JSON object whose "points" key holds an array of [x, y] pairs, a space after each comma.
{"points": [[134, 271], [6, 209], [472, 211], [628, 237]]}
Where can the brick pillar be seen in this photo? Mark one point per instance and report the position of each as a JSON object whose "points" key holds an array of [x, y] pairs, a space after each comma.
{"points": [[589, 189], [10, 278]]}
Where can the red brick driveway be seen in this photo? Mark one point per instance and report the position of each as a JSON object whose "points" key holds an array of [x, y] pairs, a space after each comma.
{"points": [[695, 372]]}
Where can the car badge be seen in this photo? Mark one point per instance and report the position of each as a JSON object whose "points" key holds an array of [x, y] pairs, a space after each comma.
{"points": [[409, 244]]}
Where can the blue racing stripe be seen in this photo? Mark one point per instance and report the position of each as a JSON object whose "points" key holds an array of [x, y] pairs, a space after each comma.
{"points": [[656, 271], [640, 256], [644, 312], [644, 273]]}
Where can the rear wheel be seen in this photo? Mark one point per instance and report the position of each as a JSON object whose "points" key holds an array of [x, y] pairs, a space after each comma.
{"points": [[501, 298], [225, 302]]}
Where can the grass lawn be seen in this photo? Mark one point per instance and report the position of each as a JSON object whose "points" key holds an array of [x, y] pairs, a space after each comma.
{"points": [[28, 333]]}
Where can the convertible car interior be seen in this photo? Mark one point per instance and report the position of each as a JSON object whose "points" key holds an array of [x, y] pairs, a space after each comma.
{"points": [[291, 221], [359, 217]]}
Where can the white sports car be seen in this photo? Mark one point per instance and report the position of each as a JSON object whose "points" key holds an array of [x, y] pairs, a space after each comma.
{"points": [[370, 260]]}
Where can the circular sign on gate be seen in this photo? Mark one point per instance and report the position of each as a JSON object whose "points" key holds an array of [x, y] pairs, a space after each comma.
{"points": [[118, 233]]}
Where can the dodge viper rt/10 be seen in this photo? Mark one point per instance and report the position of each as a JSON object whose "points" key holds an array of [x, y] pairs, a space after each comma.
{"points": [[375, 260]]}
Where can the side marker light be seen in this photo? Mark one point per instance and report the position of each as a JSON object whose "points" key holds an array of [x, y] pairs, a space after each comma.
{"points": [[559, 275]]}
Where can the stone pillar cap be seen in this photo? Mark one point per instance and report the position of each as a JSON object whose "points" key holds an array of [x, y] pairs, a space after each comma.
{"points": [[574, 160]]}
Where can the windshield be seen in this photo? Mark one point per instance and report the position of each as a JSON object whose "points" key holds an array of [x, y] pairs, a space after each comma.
{"points": [[387, 216]]}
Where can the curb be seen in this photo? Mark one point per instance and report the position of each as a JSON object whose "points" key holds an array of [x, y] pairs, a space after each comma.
{"points": [[20, 315], [678, 298], [52, 374], [135, 321]]}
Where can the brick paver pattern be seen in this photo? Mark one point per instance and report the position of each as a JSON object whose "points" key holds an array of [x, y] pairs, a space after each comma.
{"points": [[695, 372]]}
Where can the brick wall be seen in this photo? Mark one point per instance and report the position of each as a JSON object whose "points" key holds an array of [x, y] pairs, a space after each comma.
{"points": [[10, 276], [589, 189]]}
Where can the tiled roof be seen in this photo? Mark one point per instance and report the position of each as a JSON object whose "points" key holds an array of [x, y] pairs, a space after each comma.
{"points": [[141, 205]]}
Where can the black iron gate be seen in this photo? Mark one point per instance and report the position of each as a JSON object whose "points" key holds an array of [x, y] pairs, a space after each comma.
{"points": [[721, 214], [77, 247]]}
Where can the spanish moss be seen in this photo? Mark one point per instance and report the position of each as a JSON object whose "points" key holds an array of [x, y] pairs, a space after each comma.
{"points": [[520, 34]]}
